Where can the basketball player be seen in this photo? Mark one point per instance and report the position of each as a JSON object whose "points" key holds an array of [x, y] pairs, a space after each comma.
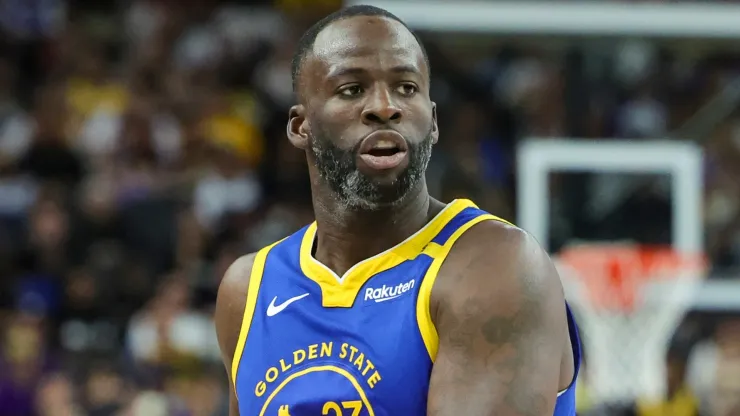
{"points": [[391, 303]]}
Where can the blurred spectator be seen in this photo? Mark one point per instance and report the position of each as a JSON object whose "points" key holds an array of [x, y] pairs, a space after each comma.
{"points": [[56, 397], [167, 330], [230, 184], [643, 117], [49, 157], [105, 392], [680, 400], [15, 125], [24, 360], [726, 392]]}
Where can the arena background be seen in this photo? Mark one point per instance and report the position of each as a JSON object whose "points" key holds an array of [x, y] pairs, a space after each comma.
{"points": [[143, 149]]}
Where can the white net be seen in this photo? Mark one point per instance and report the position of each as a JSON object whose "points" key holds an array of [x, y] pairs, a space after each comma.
{"points": [[626, 346]]}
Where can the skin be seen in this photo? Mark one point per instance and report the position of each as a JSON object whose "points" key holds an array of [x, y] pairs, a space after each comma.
{"points": [[498, 331]]}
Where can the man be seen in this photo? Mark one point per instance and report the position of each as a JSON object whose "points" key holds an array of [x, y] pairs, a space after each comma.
{"points": [[391, 303]]}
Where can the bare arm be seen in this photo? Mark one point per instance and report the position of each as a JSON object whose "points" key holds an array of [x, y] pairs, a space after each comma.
{"points": [[232, 297], [499, 309]]}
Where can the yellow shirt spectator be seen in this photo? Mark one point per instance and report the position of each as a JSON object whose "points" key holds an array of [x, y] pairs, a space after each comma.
{"points": [[683, 403], [85, 97], [232, 132]]}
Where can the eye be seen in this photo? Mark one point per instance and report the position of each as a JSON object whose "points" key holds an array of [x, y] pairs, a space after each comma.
{"points": [[350, 90], [407, 89]]}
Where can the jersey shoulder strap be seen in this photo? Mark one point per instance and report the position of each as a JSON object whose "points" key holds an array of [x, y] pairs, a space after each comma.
{"points": [[438, 249]]}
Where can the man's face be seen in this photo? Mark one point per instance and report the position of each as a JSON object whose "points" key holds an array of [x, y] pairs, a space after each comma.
{"points": [[368, 122]]}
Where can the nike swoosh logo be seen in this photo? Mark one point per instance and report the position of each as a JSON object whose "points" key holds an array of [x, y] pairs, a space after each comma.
{"points": [[273, 309]]}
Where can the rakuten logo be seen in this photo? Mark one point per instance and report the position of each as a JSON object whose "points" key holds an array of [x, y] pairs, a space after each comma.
{"points": [[386, 292]]}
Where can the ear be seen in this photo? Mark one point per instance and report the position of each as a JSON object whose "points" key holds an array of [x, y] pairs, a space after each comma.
{"points": [[297, 128], [435, 127]]}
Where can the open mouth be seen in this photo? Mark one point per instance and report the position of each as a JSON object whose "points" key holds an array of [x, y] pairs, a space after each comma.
{"points": [[383, 149]]}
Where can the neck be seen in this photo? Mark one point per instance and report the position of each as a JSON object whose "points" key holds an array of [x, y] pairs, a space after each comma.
{"points": [[346, 237]]}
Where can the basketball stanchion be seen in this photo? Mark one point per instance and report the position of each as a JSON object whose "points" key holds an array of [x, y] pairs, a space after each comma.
{"points": [[629, 300]]}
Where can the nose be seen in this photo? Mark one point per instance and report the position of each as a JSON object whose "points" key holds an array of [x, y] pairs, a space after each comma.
{"points": [[380, 109]]}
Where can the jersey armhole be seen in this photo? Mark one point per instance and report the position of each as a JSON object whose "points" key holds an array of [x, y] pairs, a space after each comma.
{"points": [[575, 344], [255, 280], [423, 302]]}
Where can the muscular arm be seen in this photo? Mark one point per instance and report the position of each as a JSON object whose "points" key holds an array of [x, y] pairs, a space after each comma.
{"points": [[232, 297], [499, 310]]}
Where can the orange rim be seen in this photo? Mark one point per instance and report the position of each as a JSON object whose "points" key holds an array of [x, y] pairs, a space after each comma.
{"points": [[612, 274]]}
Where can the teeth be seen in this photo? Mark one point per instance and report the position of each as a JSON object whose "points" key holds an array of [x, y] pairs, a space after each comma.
{"points": [[384, 144]]}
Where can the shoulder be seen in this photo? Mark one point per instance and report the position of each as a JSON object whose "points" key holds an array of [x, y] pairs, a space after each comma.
{"points": [[501, 325], [499, 243], [494, 264], [491, 250], [230, 303]]}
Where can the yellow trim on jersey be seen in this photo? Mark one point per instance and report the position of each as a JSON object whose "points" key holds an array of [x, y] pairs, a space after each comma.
{"points": [[341, 292], [255, 278], [335, 369], [423, 312]]}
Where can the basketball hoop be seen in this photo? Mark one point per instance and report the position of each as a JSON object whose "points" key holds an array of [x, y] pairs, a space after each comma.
{"points": [[629, 300]]}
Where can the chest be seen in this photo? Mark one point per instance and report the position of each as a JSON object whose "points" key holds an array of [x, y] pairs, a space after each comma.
{"points": [[302, 358]]}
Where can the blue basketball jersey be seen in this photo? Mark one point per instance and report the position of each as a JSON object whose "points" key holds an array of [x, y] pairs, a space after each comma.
{"points": [[362, 344]]}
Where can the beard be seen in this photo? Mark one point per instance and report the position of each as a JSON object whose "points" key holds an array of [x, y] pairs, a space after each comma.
{"points": [[355, 190]]}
